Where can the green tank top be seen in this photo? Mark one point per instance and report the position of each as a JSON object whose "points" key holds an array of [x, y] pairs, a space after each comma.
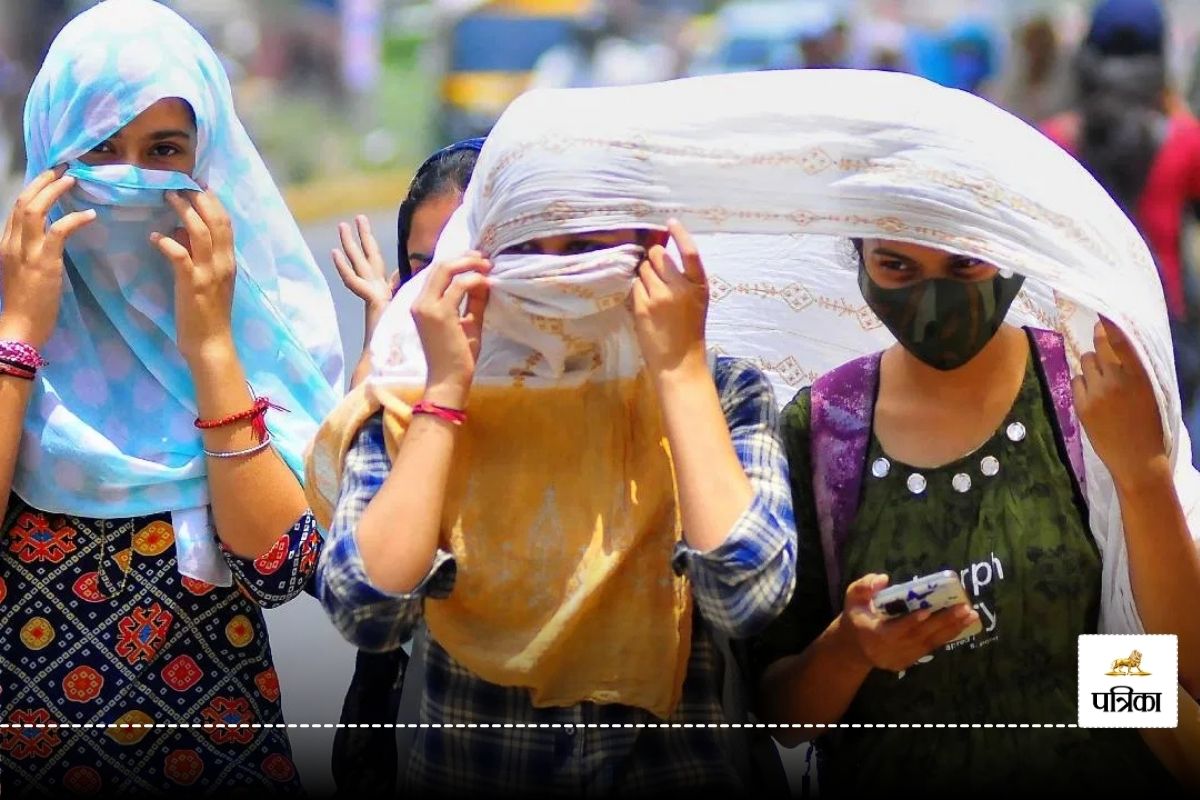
{"points": [[1007, 519]]}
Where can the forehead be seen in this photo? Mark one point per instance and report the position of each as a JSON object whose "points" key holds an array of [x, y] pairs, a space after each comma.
{"points": [[170, 113], [917, 252]]}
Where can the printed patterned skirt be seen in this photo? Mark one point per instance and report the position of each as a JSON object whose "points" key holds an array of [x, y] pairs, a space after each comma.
{"points": [[100, 630]]}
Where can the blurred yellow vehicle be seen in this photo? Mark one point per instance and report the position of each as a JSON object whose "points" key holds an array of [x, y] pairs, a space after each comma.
{"points": [[490, 50]]}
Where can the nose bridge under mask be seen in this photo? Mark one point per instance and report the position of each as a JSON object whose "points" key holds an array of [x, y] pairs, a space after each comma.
{"points": [[124, 185], [941, 300], [942, 321], [113, 255]]}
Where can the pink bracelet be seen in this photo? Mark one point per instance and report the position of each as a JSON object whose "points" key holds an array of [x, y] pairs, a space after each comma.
{"points": [[454, 416], [21, 354]]}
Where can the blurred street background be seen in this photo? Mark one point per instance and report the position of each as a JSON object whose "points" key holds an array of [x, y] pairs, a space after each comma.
{"points": [[345, 97]]}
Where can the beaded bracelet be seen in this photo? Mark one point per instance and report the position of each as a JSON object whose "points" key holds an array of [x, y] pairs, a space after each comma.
{"points": [[256, 414], [452, 415], [249, 451], [16, 372], [20, 354]]}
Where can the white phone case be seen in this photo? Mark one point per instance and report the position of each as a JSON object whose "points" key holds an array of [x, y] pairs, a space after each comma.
{"points": [[937, 591]]}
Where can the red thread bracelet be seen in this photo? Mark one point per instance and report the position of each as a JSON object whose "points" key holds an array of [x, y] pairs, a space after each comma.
{"points": [[256, 414], [452, 415], [16, 372]]}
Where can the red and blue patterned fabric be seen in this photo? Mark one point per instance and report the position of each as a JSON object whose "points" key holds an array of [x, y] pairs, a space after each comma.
{"points": [[98, 630]]}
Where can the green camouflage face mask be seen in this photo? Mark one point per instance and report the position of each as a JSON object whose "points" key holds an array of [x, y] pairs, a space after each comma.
{"points": [[942, 321]]}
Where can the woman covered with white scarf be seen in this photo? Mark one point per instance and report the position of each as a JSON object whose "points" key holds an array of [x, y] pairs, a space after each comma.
{"points": [[936, 184], [548, 469]]}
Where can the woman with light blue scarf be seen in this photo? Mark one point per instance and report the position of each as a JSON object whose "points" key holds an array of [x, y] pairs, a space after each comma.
{"points": [[167, 348]]}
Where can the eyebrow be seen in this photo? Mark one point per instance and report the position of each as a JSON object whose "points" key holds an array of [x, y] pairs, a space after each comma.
{"points": [[883, 251], [952, 259], [159, 136]]}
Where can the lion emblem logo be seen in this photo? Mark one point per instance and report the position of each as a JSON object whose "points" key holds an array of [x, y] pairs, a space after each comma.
{"points": [[1128, 666]]}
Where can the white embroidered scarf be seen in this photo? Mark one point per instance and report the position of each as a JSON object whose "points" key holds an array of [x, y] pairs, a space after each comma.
{"points": [[768, 168]]}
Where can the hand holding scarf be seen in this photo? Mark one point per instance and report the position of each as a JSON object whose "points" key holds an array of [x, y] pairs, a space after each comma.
{"points": [[31, 258], [109, 430], [205, 264]]}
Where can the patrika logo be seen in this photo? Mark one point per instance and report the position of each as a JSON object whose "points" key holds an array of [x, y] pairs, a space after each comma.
{"points": [[1128, 666], [1139, 690]]}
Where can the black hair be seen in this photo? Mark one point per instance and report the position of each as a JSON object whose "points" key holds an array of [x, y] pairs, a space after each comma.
{"points": [[1123, 105], [446, 171]]}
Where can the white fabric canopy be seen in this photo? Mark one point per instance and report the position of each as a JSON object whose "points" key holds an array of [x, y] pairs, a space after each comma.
{"points": [[757, 165]]}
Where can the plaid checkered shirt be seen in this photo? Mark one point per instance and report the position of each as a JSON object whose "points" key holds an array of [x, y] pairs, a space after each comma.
{"points": [[587, 749]]}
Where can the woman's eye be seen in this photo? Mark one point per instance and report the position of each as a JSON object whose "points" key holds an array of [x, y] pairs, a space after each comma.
{"points": [[969, 266], [165, 151], [581, 246], [522, 249], [893, 265], [103, 148]]}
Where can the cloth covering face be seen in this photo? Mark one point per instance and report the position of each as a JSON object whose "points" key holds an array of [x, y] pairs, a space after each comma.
{"points": [[561, 509], [109, 430]]}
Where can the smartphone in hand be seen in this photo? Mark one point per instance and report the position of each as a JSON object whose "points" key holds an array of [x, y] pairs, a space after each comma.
{"points": [[935, 592]]}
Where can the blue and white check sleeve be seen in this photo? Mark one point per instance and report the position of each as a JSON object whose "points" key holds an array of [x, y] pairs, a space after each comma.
{"points": [[744, 583], [370, 618]]}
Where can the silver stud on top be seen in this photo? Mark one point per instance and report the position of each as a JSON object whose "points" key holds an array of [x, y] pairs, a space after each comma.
{"points": [[1016, 432], [961, 483], [989, 466], [916, 483], [881, 467]]}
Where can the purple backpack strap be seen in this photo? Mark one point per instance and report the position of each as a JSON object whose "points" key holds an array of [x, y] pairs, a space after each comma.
{"points": [[842, 411], [1056, 372], [842, 405]]}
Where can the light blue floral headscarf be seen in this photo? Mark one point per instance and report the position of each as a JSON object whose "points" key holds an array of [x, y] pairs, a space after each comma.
{"points": [[109, 431]]}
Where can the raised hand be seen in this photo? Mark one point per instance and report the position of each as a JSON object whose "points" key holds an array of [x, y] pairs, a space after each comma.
{"points": [[1115, 401], [362, 267], [670, 305], [202, 254], [31, 259], [450, 336]]}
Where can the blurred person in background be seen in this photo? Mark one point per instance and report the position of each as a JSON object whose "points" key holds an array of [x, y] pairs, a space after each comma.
{"points": [[150, 511], [25, 35], [823, 41], [1193, 97], [882, 45], [1143, 146], [605, 51], [365, 759], [971, 47], [315, 50], [1039, 82]]}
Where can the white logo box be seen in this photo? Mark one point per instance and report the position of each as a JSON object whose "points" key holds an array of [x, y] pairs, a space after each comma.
{"points": [[1143, 692]]}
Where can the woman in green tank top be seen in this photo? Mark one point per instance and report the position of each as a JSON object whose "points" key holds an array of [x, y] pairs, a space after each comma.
{"points": [[966, 469]]}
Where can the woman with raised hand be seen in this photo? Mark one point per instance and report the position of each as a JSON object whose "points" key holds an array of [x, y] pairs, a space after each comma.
{"points": [[959, 447], [433, 195], [547, 468], [166, 345]]}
